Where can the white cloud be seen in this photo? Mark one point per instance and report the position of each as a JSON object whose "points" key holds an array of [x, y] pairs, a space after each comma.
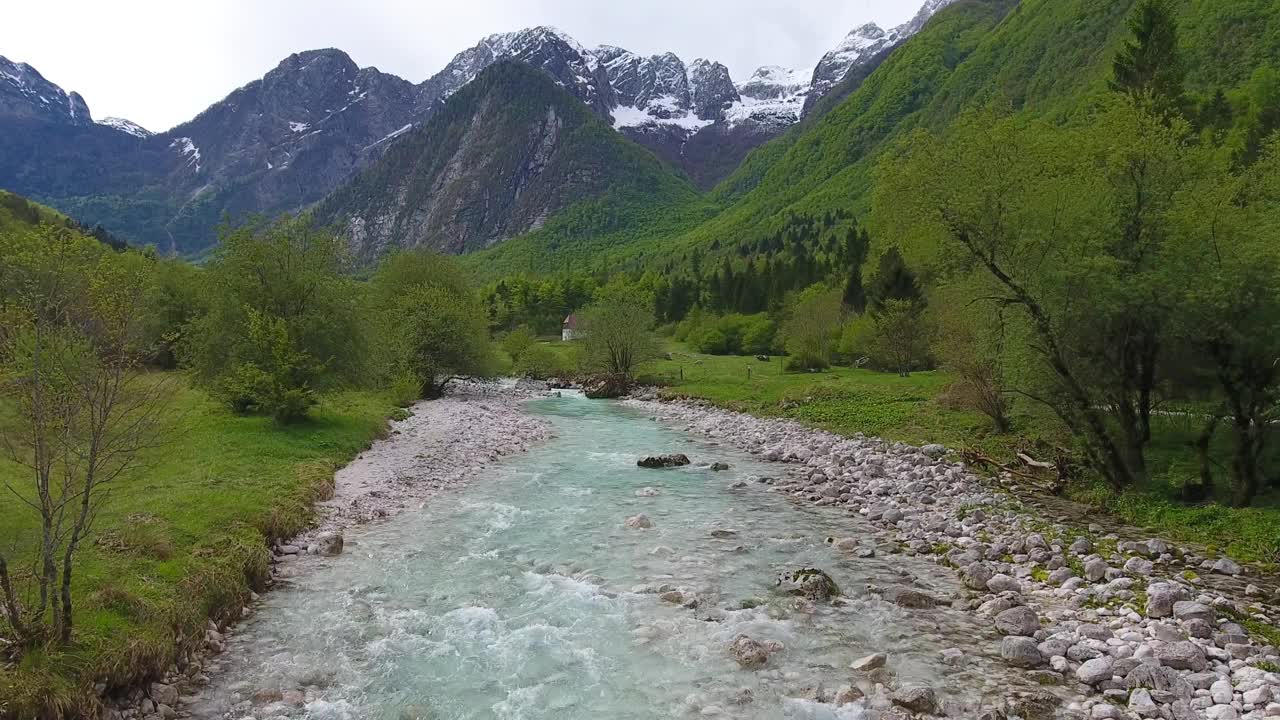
{"points": [[160, 62]]}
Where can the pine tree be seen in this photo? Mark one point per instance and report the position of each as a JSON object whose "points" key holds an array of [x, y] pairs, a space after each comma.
{"points": [[1148, 66], [894, 281]]}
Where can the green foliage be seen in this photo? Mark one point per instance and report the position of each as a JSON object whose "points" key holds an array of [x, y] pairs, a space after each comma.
{"points": [[1149, 66], [900, 340], [617, 329], [281, 319], [812, 327], [430, 324], [733, 334]]}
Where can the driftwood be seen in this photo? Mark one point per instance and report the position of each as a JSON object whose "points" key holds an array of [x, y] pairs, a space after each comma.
{"points": [[1056, 486]]}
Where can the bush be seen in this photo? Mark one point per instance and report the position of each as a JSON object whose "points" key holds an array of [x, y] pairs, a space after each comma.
{"points": [[730, 334], [540, 362]]}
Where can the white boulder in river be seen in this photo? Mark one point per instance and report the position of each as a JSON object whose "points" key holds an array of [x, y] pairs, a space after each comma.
{"points": [[639, 522]]}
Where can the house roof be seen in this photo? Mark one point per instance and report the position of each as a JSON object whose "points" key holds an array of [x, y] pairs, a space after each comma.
{"points": [[571, 322]]}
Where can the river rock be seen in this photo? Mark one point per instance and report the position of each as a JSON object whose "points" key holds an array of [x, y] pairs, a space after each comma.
{"points": [[1021, 620], [869, 662], [1226, 566], [647, 492], [1020, 651], [1184, 655], [1092, 672], [719, 466], [977, 575], [327, 543], [1003, 583], [639, 522], [654, 462], [1190, 610], [916, 698], [748, 653], [1161, 597], [811, 583]]}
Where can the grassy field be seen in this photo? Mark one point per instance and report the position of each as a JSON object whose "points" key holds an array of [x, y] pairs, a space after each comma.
{"points": [[915, 410], [181, 540]]}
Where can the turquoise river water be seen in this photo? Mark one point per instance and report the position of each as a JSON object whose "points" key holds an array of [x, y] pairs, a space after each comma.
{"points": [[523, 596]]}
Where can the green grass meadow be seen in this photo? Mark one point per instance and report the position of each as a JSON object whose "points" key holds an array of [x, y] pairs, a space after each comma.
{"points": [[183, 538]]}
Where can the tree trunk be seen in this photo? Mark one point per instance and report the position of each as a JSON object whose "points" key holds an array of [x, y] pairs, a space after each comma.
{"points": [[1244, 464], [12, 612], [1205, 490]]}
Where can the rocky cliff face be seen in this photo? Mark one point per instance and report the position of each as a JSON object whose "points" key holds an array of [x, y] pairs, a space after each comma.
{"points": [[26, 95], [505, 153]]}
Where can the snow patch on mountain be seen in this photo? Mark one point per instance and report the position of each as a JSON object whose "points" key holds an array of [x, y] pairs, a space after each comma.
{"points": [[187, 148]]}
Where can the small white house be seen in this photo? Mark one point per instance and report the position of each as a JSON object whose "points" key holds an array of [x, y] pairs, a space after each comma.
{"points": [[569, 328]]}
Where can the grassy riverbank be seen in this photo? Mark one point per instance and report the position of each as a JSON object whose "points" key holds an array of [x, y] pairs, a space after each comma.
{"points": [[182, 539], [915, 410]]}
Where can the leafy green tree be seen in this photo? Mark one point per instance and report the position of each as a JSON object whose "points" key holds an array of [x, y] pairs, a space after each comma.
{"points": [[279, 305], [618, 330], [812, 326], [73, 340], [901, 339], [1224, 238], [431, 326], [1064, 230], [970, 344], [1149, 67]]}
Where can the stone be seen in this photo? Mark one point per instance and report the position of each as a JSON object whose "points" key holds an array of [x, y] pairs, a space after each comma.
{"points": [[1095, 569], [748, 653], [811, 583], [1061, 575], [164, 694], [1104, 711], [328, 543], [722, 534], [1257, 696], [1021, 620], [914, 599], [1184, 655], [1092, 672], [1221, 712], [1020, 651], [1222, 692], [1141, 703], [1161, 597], [953, 657], [1003, 583], [1159, 680], [719, 466], [1139, 566], [977, 575], [847, 695], [1188, 610], [655, 462], [934, 451], [1226, 566], [638, 522], [647, 492], [870, 662], [1081, 546], [916, 698]]}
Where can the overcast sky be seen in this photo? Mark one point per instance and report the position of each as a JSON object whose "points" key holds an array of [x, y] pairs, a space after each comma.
{"points": [[159, 62]]}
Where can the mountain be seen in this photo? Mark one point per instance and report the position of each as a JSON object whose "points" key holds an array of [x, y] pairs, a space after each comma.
{"points": [[25, 94], [859, 46], [1041, 59], [508, 151], [288, 139]]}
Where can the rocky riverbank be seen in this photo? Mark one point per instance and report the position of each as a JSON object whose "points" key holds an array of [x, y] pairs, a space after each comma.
{"points": [[1114, 627], [439, 446]]}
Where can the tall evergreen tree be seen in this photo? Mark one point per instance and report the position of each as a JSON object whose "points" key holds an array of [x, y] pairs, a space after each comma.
{"points": [[1149, 66], [894, 281]]}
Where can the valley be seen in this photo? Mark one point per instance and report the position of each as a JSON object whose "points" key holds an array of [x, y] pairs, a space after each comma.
{"points": [[931, 373]]}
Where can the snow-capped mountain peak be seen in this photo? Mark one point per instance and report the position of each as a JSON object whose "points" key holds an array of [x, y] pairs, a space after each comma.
{"points": [[126, 126]]}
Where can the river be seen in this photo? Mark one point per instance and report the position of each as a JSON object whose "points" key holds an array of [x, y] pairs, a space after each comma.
{"points": [[523, 596]]}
